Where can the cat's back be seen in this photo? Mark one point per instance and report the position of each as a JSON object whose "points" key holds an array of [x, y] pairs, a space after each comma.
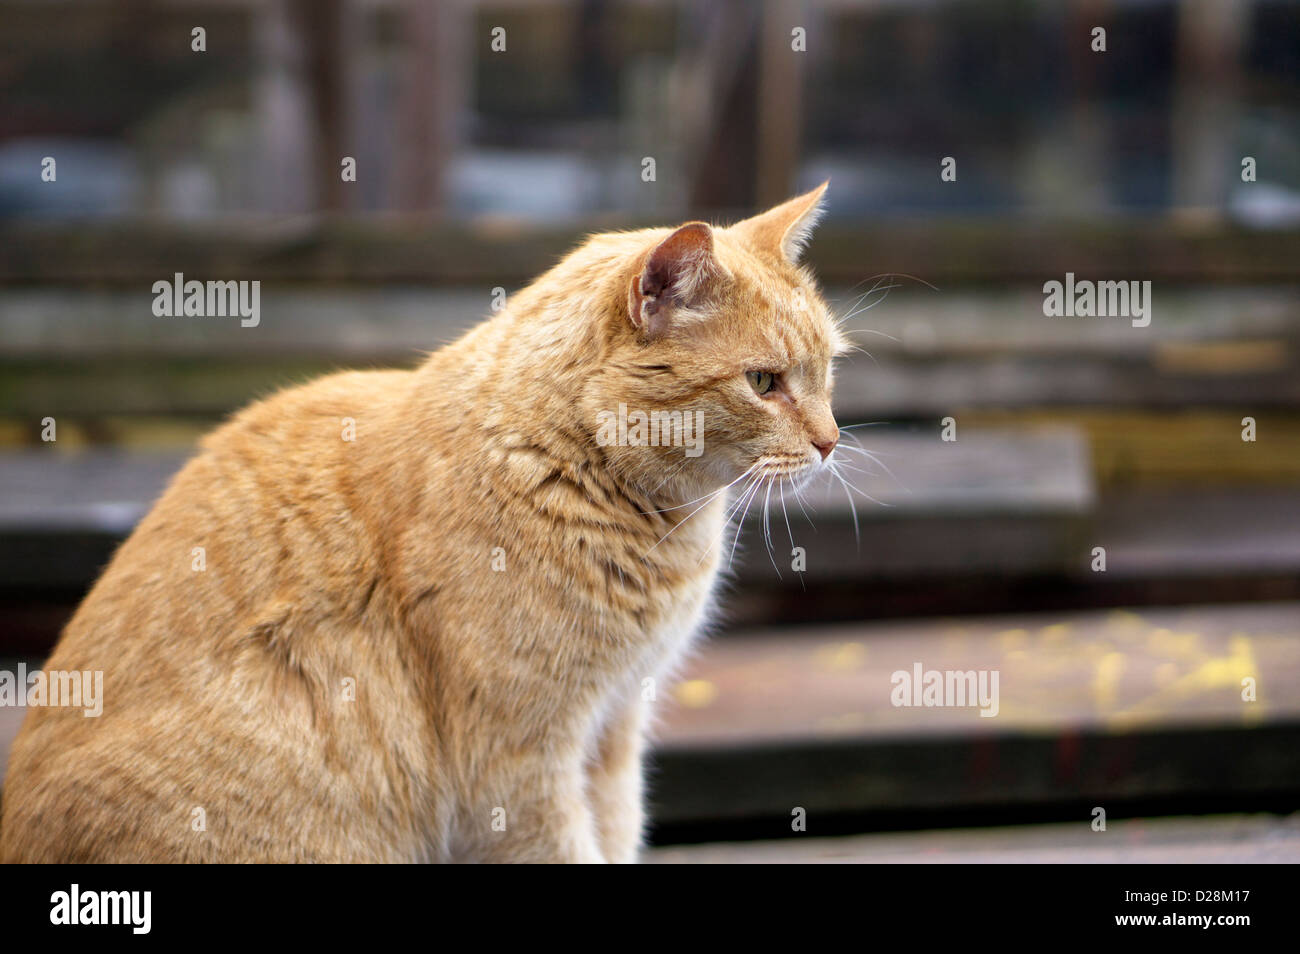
{"points": [[275, 494], [220, 625]]}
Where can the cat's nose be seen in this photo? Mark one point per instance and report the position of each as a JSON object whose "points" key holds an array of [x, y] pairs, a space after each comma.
{"points": [[825, 446]]}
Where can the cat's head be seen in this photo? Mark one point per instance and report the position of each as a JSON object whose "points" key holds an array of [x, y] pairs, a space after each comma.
{"points": [[722, 330]]}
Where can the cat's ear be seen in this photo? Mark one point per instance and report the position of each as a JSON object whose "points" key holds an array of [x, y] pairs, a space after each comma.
{"points": [[675, 274], [784, 230]]}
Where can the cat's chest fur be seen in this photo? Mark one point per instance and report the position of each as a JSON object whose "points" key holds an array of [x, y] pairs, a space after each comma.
{"points": [[620, 592]]}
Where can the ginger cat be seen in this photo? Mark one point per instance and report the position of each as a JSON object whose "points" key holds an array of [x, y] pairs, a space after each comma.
{"points": [[429, 642]]}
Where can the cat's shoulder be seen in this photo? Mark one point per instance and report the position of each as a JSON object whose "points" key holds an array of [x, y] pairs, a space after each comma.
{"points": [[334, 398]]}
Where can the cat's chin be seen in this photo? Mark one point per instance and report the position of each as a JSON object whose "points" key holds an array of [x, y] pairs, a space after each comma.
{"points": [[788, 468], [784, 475], [797, 480]]}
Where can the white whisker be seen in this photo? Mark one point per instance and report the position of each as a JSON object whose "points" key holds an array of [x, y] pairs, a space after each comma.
{"points": [[857, 536], [767, 532], [749, 498], [708, 498], [732, 509]]}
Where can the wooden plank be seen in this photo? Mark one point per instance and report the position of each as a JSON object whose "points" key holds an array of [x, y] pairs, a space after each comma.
{"points": [[68, 352], [417, 251], [174, 387], [1019, 506], [1108, 706], [987, 472], [1222, 839], [1196, 330], [931, 552], [1003, 501], [1196, 531], [11, 719], [1027, 493], [1093, 708], [1142, 424], [1186, 448], [95, 492], [1112, 671]]}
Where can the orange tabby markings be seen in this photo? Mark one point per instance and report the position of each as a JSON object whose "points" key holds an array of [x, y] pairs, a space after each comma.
{"points": [[431, 601]]}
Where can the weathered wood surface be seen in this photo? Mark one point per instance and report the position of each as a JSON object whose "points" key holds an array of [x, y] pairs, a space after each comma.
{"points": [[931, 354], [1149, 534], [997, 499], [414, 249], [1114, 671], [1094, 709], [101, 491], [1175, 410], [1021, 505], [11, 719], [1223, 839], [985, 472], [1252, 327]]}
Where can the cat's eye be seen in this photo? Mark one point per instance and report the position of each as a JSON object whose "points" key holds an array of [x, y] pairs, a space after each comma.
{"points": [[761, 381]]}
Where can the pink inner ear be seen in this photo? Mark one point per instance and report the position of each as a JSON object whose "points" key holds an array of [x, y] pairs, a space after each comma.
{"points": [[676, 260], [671, 275]]}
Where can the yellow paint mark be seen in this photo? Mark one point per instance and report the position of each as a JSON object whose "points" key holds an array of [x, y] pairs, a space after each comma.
{"points": [[1105, 684], [697, 693], [1165, 642], [1214, 674], [1165, 674], [72, 438], [841, 657], [1124, 619], [1217, 676], [155, 434], [1055, 634], [1097, 649], [1241, 648], [1242, 654], [14, 433], [1012, 638], [1221, 357], [1158, 640]]}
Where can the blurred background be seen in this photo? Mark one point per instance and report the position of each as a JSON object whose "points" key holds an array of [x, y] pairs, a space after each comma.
{"points": [[488, 137]]}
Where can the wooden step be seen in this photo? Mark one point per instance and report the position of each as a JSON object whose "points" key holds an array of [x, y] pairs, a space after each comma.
{"points": [[1223, 330], [73, 351], [1106, 709], [1002, 500], [415, 249], [1015, 501], [1004, 508], [1216, 839], [1094, 708]]}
